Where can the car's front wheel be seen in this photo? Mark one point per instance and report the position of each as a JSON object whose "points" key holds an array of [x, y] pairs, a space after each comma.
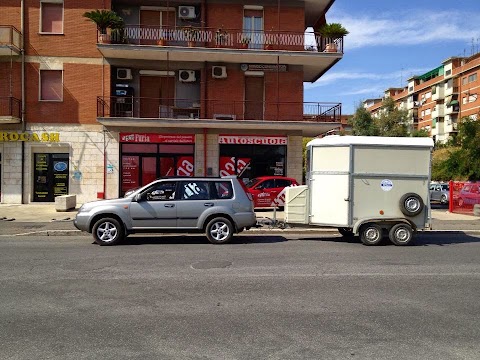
{"points": [[219, 230], [107, 231]]}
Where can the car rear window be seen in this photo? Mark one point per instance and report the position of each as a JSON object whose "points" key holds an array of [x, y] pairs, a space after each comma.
{"points": [[223, 189]]}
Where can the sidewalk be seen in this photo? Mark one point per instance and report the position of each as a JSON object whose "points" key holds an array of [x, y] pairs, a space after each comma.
{"points": [[34, 218]]}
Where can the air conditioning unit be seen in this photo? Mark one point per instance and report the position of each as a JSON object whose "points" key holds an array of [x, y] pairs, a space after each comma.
{"points": [[219, 72], [224, 116], [186, 12], [186, 75], [124, 74]]}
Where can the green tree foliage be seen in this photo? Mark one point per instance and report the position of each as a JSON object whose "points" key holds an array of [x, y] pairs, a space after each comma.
{"points": [[362, 123], [463, 154], [392, 121], [104, 19]]}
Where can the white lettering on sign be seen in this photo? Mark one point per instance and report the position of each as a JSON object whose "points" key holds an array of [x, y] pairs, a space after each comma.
{"points": [[252, 140]]}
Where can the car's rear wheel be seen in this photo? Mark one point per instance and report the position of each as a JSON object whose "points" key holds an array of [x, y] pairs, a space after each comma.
{"points": [[443, 199], [371, 234], [219, 230], [107, 231], [401, 234]]}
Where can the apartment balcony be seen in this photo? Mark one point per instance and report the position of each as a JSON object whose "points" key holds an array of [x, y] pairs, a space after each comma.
{"points": [[439, 111], [10, 110], [451, 90], [438, 92], [10, 40], [307, 118], [180, 44]]}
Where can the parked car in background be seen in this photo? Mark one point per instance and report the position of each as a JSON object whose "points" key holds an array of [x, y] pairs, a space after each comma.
{"points": [[440, 192], [267, 190], [469, 195], [218, 207]]}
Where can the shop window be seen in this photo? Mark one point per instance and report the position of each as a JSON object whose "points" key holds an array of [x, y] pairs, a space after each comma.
{"points": [[51, 85], [51, 16]]}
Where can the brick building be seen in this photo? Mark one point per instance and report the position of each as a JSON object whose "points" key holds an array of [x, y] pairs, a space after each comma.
{"points": [[439, 99], [183, 88]]}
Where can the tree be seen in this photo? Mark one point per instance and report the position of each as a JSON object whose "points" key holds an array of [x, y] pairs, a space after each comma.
{"points": [[392, 121], [362, 123], [460, 159], [104, 19]]}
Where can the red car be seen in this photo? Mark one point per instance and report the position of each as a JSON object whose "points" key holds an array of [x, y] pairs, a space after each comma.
{"points": [[267, 190]]}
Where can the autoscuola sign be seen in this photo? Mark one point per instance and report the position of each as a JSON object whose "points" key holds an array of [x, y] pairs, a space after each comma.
{"points": [[40, 137]]}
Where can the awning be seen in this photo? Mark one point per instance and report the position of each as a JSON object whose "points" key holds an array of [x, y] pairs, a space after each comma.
{"points": [[453, 102]]}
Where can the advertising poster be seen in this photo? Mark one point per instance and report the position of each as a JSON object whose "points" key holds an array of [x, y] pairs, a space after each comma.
{"points": [[185, 166], [228, 165], [130, 172]]}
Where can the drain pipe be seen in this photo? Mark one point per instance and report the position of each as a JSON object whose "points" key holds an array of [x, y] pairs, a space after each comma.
{"points": [[24, 125]]}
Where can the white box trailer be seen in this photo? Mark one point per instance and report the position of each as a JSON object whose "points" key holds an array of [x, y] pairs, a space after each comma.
{"points": [[365, 185]]}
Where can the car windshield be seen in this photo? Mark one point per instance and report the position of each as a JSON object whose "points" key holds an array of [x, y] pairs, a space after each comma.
{"points": [[252, 182]]}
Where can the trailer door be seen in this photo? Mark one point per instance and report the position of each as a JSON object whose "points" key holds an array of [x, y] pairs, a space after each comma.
{"points": [[330, 185]]}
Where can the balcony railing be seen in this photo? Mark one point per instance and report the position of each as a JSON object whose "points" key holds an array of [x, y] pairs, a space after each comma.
{"points": [[224, 38], [154, 108], [10, 107], [10, 37]]}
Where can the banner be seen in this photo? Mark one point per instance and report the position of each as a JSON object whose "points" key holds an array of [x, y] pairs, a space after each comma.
{"points": [[252, 140], [157, 138]]}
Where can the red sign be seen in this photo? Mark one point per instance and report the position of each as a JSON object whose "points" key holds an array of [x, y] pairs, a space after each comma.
{"points": [[157, 138], [252, 140], [227, 165], [185, 166]]}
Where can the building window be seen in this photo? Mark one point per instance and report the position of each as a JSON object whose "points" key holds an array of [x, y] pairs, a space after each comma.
{"points": [[448, 72], [464, 81], [51, 85], [472, 78], [51, 17], [449, 83]]}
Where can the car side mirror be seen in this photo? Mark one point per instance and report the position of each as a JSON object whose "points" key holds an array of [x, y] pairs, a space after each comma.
{"points": [[139, 197]]}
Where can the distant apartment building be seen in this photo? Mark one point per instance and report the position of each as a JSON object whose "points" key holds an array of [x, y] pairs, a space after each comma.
{"points": [[189, 88], [437, 100]]}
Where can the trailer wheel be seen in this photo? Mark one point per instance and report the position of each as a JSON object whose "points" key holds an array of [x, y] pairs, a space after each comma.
{"points": [[411, 204], [371, 234], [401, 234], [347, 232]]}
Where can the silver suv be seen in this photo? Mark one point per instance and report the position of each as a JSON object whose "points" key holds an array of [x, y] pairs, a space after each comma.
{"points": [[218, 207]]}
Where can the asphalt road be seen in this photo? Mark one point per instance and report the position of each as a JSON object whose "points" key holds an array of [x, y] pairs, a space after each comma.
{"points": [[261, 297]]}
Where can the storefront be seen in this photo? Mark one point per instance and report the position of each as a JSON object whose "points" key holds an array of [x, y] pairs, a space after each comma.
{"points": [[50, 176], [252, 156], [146, 157]]}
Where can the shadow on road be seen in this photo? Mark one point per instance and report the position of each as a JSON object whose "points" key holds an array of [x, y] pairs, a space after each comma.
{"points": [[197, 239], [439, 238]]}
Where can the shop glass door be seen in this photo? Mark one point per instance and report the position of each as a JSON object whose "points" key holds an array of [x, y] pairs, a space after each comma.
{"points": [[50, 176]]}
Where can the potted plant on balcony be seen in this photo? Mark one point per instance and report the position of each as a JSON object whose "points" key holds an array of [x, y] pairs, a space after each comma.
{"points": [[244, 41], [161, 41], [331, 32], [104, 19], [191, 35], [221, 38]]}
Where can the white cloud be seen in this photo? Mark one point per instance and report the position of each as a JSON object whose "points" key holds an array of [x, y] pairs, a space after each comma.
{"points": [[409, 28], [385, 78]]}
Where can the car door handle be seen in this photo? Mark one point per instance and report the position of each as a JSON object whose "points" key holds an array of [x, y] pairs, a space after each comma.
{"points": [[169, 205], [208, 204]]}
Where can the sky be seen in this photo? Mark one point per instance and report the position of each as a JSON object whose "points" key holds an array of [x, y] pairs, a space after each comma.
{"points": [[391, 41]]}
